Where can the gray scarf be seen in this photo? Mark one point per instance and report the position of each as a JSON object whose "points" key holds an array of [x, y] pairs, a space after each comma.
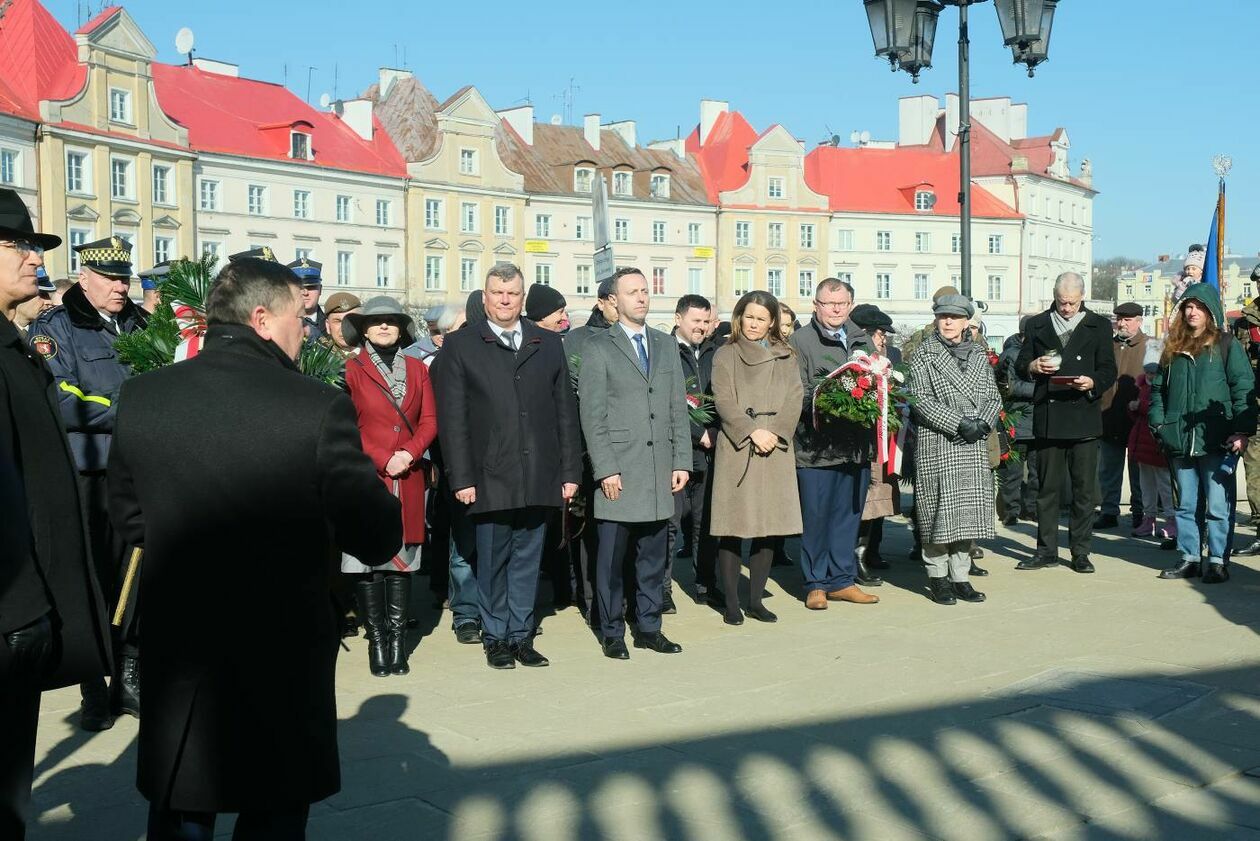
{"points": [[960, 350], [1063, 327], [395, 375]]}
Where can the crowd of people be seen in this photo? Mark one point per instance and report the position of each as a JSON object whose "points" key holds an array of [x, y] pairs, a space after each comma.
{"points": [[500, 445]]}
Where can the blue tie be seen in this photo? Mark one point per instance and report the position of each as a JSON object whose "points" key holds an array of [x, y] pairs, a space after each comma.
{"points": [[642, 351]]}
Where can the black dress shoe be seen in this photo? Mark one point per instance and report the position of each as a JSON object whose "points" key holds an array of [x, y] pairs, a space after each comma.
{"points": [[525, 654], [978, 571], [1081, 564], [1215, 574], [499, 656], [94, 715], [877, 562], [1168, 543], [1038, 562], [735, 618], [668, 608], [126, 690], [656, 641], [1106, 521], [865, 577], [761, 613], [468, 633], [615, 647], [1010, 520], [1185, 569], [964, 591], [1252, 548], [940, 591]]}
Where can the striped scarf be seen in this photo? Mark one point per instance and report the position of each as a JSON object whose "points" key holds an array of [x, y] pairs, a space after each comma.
{"points": [[395, 375]]}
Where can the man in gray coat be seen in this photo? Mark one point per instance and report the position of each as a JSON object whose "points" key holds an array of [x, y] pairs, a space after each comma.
{"points": [[633, 406]]}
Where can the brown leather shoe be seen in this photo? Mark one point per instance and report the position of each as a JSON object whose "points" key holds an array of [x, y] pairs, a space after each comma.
{"points": [[816, 600], [851, 594]]}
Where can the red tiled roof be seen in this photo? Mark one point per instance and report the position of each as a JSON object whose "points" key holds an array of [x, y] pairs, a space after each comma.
{"points": [[723, 158], [236, 116], [105, 15], [38, 59]]}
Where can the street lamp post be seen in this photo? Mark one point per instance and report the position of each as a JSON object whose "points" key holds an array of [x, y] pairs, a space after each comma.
{"points": [[904, 32]]}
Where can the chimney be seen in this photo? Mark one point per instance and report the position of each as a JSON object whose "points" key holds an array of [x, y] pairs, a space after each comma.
{"points": [[357, 114], [222, 68], [1019, 121], [521, 119], [389, 75], [951, 121], [626, 129], [916, 119], [710, 110], [590, 130]]}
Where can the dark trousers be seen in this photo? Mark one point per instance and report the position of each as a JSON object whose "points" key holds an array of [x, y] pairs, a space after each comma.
{"points": [[509, 548], [1019, 481], [690, 527], [19, 714], [555, 558], [650, 544], [583, 551], [1077, 462], [832, 499], [281, 825]]}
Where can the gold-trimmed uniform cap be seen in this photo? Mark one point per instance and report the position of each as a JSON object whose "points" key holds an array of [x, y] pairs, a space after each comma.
{"points": [[261, 253], [308, 271], [110, 256]]}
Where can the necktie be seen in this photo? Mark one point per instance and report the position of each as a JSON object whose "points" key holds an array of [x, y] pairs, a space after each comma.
{"points": [[642, 351], [509, 338]]}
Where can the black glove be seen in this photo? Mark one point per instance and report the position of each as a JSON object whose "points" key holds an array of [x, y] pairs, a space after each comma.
{"points": [[972, 430], [31, 648]]}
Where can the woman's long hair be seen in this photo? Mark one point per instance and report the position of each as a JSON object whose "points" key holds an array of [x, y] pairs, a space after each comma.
{"points": [[764, 299], [1181, 336]]}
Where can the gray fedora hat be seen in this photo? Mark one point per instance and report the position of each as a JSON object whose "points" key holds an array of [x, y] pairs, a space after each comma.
{"points": [[373, 309]]}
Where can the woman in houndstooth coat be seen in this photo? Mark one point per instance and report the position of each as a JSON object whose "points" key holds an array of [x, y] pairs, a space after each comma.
{"points": [[956, 405]]}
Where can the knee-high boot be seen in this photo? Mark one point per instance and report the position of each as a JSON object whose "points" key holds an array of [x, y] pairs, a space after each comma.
{"points": [[397, 601], [372, 613], [728, 569]]}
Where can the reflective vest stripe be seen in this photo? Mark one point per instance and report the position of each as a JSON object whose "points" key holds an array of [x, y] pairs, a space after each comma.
{"points": [[87, 398]]}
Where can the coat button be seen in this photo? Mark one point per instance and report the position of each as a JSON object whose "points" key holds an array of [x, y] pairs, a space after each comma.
{"points": [[649, 389], [518, 378], [396, 429], [651, 417], [649, 443]]}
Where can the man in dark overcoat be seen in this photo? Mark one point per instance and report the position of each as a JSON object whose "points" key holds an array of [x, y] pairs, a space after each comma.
{"points": [[1129, 345], [53, 626], [1067, 414], [236, 474], [510, 440]]}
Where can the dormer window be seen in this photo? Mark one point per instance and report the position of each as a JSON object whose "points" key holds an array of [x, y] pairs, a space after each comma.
{"points": [[659, 188], [468, 162], [924, 200], [120, 106], [299, 146], [621, 184], [583, 179]]}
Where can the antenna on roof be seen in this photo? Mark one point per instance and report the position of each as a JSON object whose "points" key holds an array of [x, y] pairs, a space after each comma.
{"points": [[310, 71], [334, 80], [184, 43]]}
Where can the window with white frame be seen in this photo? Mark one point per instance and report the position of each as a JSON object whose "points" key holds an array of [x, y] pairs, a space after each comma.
{"points": [[847, 277], [256, 196], [211, 248], [9, 166], [345, 207], [921, 282], [78, 172], [301, 204], [542, 274], [621, 230], [582, 274], [345, 268], [622, 185], [468, 164], [582, 228], [659, 186], [658, 233], [922, 242], [299, 146], [433, 214], [209, 194], [384, 212], [162, 248], [121, 183], [883, 240], [78, 236], [583, 179], [384, 270], [774, 188], [302, 253], [805, 283], [995, 287], [844, 240], [659, 280], [955, 243], [162, 185], [542, 225], [695, 280], [693, 233], [1060, 211], [120, 106], [924, 200], [468, 274], [807, 236], [743, 234], [774, 282], [468, 217], [502, 220], [434, 273], [995, 243], [883, 285], [743, 280], [774, 235]]}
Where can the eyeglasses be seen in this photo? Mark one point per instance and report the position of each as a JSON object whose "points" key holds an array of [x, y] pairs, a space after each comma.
{"points": [[25, 248], [833, 305]]}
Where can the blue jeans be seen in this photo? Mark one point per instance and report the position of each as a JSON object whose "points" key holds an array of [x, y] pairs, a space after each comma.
{"points": [[1195, 476], [462, 593], [832, 499]]}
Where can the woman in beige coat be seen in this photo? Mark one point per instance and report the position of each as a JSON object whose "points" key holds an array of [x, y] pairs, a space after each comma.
{"points": [[757, 394]]}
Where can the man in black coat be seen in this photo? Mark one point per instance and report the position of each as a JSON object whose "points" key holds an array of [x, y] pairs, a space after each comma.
{"points": [[689, 525], [1018, 475], [53, 627], [511, 444], [236, 474], [1068, 353]]}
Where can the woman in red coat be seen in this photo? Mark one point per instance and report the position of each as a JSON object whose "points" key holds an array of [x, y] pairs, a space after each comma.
{"points": [[393, 397]]}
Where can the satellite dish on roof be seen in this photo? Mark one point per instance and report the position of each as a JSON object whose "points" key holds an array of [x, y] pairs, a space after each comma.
{"points": [[184, 41], [835, 140], [855, 137], [556, 119], [865, 138], [324, 100]]}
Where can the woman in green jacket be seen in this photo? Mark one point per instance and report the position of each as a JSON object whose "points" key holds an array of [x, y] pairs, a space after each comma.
{"points": [[1203, 408]]}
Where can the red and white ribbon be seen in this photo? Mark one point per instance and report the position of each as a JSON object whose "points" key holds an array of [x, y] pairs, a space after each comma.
{"points": [[888, 448]]}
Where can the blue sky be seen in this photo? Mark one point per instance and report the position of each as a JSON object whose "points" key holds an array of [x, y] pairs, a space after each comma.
{"points": [[1142, 93]]}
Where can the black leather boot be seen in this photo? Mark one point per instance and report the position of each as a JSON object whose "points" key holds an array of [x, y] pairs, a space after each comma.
{"points": [[864, 576], [964, 591], [941, 591], [127, 694], [94, 713], [372, 613], [1182, 569], [397, 600]]}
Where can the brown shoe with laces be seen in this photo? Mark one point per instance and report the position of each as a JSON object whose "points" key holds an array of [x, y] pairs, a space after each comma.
{"points": [[851, 594]]}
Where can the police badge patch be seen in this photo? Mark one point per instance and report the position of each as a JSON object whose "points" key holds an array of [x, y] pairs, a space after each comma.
{"points": [[45, 346]]}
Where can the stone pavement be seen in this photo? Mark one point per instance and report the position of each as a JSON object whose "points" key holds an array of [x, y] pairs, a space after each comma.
{"points": [[1066, 707]]}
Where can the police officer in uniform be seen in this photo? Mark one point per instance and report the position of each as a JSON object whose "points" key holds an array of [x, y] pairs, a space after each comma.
{"points": [[308, 271], [76, 339]]}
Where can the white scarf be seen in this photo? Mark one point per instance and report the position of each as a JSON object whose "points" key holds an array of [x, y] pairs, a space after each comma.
{"points": [[1063, 327]]}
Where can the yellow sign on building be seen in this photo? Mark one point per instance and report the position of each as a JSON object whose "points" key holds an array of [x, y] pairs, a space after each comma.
{"points": [[537, 246], [704, 252]]}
